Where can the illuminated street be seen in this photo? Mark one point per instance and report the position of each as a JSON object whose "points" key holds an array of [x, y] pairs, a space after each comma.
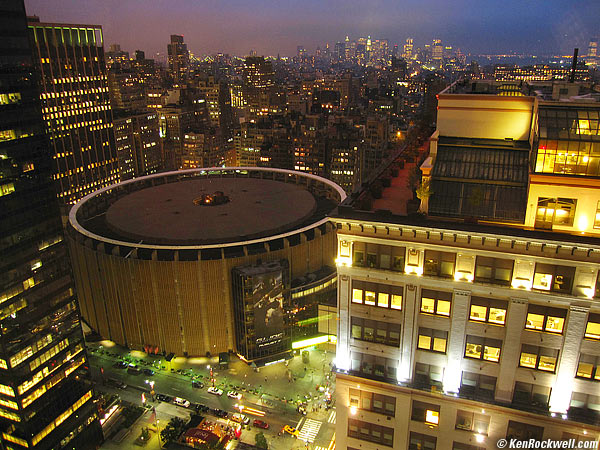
{"points": [[271, 390]]}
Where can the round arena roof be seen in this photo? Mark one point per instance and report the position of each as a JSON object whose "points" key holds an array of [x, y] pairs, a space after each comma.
{"points": [[206, 207]]}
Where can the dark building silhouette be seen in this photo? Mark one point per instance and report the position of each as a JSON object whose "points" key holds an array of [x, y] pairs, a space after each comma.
{"points": [[46, 400]]}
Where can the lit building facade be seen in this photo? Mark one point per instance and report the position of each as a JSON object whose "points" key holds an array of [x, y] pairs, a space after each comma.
{"points": [[45, 390], [178, 59], [138, 144], [172, 283], [75, 106], [259, 86], [453, 334]]}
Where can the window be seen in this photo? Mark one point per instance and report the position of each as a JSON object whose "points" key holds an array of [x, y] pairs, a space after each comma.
{"points": [[435, 302], [380, 295], [386, 333], [548, 277], [540, 358], [531, 394], [592, 330], [588, 367], [420, 441], [476, 386], [493, 270], [357, 295], [483, 348], [597, 216], [488, 310], [439, 264], [425, 412], [427, 375], [372, 366], [433, 340], [523, 431], [470, 421], [370, 401], [370, 432], [541, 318], [585, 401], [10, 98], [378, 256], [555, 211]]}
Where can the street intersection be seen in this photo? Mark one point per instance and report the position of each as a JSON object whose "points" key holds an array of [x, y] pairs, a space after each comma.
{"points": [[274, 390]]}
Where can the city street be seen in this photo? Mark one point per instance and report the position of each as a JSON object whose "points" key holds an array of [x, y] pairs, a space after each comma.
{"points": [[274, 389]]}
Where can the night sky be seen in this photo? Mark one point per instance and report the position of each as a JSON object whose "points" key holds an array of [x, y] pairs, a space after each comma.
{"points": [[271, 27]]}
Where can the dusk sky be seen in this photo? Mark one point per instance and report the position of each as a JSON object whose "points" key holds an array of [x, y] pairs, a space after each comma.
{"points": [[271, 27]]}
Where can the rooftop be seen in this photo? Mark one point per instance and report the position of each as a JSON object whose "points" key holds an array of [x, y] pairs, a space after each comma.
{"points": [[205, 207]]}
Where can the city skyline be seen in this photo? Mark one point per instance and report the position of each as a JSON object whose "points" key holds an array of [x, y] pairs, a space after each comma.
{"points": [[270, 28]]}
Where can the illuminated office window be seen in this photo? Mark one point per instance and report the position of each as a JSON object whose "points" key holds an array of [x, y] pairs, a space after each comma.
{"points": [[555, 211], [432, 340], [542, 318], [592, 329], [488, 310], [541, 358], [550, 277], [483, 348]]}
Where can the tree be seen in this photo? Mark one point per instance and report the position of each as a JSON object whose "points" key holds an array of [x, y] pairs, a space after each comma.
{"points": [[261, 441], [172, 431], [168, 434], [424, 191]]}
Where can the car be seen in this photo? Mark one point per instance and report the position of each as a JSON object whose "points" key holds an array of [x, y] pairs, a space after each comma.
{"points": [[201, 408], [148, 372], [117, 383], [133, 369], [240, 418], [120, 365], [291, 430], [220, 413], [163, 398], [215, 391], [197, 384], [181, 402], [234, 394], [301, 409], [260, 424]]}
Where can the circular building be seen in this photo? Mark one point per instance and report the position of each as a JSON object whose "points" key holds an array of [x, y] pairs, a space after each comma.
{"points": [[201, 260]]}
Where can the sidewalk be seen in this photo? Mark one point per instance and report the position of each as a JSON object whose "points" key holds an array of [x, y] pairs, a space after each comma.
{"points": [[265, 386]]}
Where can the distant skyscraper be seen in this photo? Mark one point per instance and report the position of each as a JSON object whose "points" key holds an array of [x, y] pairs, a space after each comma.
{"points": [[178, 59], [593, 48], [138, 143], [75, 106], [259, 84], [117, 58], [408, 49], [45, 396], [437, 51]]}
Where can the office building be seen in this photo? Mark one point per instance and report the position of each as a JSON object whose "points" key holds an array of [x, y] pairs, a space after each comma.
{"points": [[75, 106], [126, 90], [476, 321], [174, 121], [171, 242], [46, 398], [259, 86], [202, 150], [407, 52], [218, 103], [138, 143], [178, 59]]}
